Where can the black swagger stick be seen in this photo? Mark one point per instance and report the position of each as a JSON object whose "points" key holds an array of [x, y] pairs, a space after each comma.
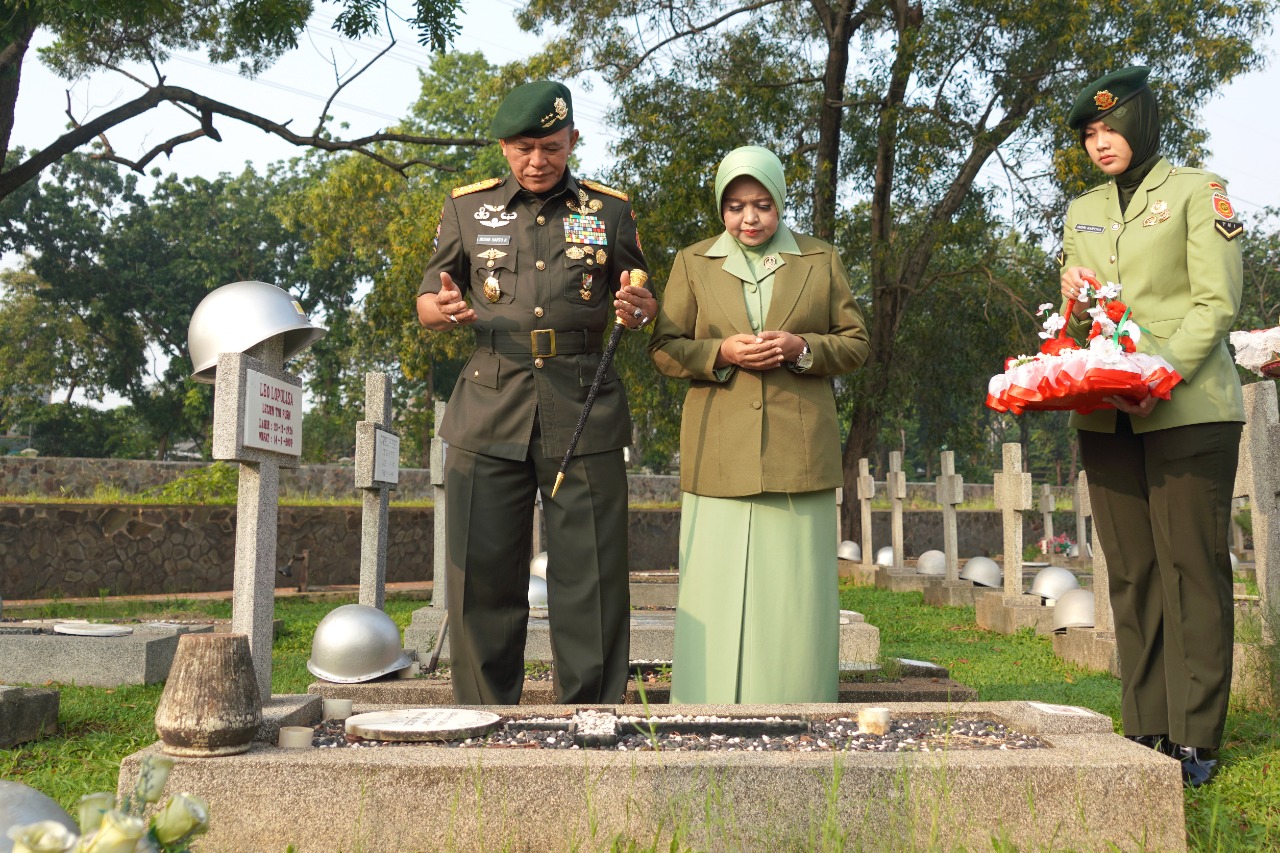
{"points": [[638, 278]]}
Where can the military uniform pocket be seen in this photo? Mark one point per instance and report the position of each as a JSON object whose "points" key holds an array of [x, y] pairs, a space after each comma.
{"points": [[493, 273], [482, 368], [585, 278]]}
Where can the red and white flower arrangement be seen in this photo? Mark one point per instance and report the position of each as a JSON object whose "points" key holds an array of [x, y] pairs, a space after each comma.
{"points": [[1065, 375]]}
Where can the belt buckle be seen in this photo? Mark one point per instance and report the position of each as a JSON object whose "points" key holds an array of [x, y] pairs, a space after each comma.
{"points": [[533, 343]]}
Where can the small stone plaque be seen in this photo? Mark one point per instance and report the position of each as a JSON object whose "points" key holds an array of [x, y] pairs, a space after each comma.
{"points": [[1064, 710], [272, 414], [386, 457], [417, 724], [91, 629]]}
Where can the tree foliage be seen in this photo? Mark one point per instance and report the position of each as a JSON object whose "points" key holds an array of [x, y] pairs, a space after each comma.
{"points": [[126, 36]]}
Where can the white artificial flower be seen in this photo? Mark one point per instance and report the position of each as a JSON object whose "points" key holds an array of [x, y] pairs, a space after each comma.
{"points": [[152, 775], [1052, 325], [1133, 330], [1110, 290], [1044, 306], [184, 816], [119, 833], [46, 836], [91, 808]]}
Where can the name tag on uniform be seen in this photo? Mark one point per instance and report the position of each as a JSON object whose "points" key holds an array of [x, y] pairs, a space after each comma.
{"points": [[1093, 229], [493, 239]]}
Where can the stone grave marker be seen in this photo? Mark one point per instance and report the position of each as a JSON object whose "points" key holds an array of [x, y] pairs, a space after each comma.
{"points": [[950, 492], [1047, 505], [1013, 497], [1082, 534], [866, 491], [1103, 619], [896, 486], [1257, 479], [439, 579], [257, 421], [377, 472], [422, 724]]}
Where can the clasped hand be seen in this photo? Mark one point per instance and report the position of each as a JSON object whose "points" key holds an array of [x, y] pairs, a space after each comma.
{"points": [[764, 351]]}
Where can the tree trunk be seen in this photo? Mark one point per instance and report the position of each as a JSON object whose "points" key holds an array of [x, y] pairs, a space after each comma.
{"points": [[11, 56], [837, 20]]}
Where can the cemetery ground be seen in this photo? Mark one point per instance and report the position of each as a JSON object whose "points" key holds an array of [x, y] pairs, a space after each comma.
{"points": [[1240, 811]]}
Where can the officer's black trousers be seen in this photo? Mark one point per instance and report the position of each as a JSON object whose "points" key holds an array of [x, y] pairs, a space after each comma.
{"points": [[1162, 505], [489, 531]]}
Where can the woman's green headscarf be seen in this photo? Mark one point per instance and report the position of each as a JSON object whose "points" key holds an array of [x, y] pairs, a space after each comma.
{"points": [[761, 164]]}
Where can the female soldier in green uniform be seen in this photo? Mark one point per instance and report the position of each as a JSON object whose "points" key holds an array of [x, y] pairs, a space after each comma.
{"points": [[1161, 473]]}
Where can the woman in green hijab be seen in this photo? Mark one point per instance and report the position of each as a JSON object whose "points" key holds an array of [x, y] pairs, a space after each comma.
{"points": [[1161, 473], [758, 319]]}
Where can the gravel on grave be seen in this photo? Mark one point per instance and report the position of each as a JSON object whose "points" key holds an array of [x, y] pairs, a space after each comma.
{"points": [[840, 734]]}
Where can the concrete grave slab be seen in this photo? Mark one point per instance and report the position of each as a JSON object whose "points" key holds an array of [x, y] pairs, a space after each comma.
{"points": [[26, 714], [899, 580], [652, 636], [1089, 648], [654, 589], [1088, 789], [1009, 614], [859, 574], [142, 657], [940, 592]]}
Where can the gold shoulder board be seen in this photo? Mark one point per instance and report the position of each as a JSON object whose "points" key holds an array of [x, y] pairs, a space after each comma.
{"points": [[476, 187], [601, 188]]}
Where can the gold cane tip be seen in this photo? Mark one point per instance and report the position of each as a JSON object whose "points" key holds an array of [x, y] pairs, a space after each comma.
{"points": [[639, 278], [559, 480]]}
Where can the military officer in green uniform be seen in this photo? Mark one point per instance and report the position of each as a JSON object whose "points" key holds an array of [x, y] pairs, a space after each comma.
{"points": [[536, 267], [1161, 473]]}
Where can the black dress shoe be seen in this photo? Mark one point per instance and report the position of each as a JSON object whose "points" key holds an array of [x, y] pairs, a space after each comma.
{"points": [[1160, 743], [1199, 765]]}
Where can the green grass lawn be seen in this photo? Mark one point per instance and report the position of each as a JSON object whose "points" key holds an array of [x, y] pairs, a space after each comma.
{"points": [[1238, 812]]}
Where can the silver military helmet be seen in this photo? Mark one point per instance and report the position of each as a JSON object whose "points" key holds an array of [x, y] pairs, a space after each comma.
{"points": [[884, 557], [356, 642], [849, 550], [22, 805], [1052, 581], [1073, 610], [983, 571], [931, 563], [537, 592], [236, 317], [538, 565]]}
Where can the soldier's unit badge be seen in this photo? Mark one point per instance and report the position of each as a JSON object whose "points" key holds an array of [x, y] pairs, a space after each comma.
{"points": [[492, 289], [586, 206], [1229, 230], [1060, 257], [1104, 100], [492, 255], [1222, 206], [575, 253], [559, 109], [1159, 213], [587, 282], [585, 229]]}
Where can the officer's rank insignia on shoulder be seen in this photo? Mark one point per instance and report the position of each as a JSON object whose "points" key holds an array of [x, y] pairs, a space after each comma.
{"points": [[601, 188], [1229, 230], [476, 187], [1060, 257]]}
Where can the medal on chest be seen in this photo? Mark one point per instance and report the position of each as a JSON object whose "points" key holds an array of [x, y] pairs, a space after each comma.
{"points": [[492, 289]]}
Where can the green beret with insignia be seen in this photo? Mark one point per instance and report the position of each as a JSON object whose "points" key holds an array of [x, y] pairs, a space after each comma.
{"points": [[1102, 96], [535, 109]]}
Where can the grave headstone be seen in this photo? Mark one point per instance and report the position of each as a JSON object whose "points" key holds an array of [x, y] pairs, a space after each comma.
{"points": [[1082, 534], [896, 486], [439, 580], [1103, 618], [1013, 498], [1258, 480], [866, 491], [257, 421], [377, 472], [950, 493], [1047, 505]]}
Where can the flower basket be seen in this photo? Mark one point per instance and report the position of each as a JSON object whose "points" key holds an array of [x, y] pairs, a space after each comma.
{"points": [[1258, 351], [1066, 376]]}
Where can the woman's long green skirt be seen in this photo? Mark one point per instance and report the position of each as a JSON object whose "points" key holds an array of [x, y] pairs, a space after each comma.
{"points": [[758, 613]]}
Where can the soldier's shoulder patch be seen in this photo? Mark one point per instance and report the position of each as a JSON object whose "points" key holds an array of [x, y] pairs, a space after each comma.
{"points": [[601, 188], [488, 183], [1060, 257], [1229, 230]]}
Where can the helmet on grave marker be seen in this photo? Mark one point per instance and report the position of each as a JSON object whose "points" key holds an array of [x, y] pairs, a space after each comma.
{"points": [[884, 557], [931, 563], [1052, 581], [849, 550], [983, 571], [237, 317], [356, 642], [1073, 610]]}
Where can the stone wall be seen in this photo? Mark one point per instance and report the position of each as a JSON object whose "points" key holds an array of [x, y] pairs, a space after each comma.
{"points": [[76, 550]]}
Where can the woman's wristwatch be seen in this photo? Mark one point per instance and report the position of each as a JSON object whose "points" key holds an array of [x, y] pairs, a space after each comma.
{"points": [[803, 361]]}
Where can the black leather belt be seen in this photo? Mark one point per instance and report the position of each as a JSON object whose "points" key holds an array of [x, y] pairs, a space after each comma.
{"points": [[541, 343]]}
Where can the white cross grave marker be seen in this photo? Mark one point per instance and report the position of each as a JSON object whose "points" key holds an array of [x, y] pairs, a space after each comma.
{"points": [[1013, 497], [950, 492], [896, 486], [377, 473], [866, 491]]}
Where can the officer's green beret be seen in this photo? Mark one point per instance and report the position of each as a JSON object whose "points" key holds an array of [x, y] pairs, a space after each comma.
{"points": [[1105, 94], [535, 109]]}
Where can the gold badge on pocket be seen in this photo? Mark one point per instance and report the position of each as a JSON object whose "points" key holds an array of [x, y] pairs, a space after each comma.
{"points": [[492, 290]]}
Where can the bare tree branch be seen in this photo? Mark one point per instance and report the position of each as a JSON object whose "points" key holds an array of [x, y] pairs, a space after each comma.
{"points": [[694, 30], [798, 82], [342, 84], [84, 133]]}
